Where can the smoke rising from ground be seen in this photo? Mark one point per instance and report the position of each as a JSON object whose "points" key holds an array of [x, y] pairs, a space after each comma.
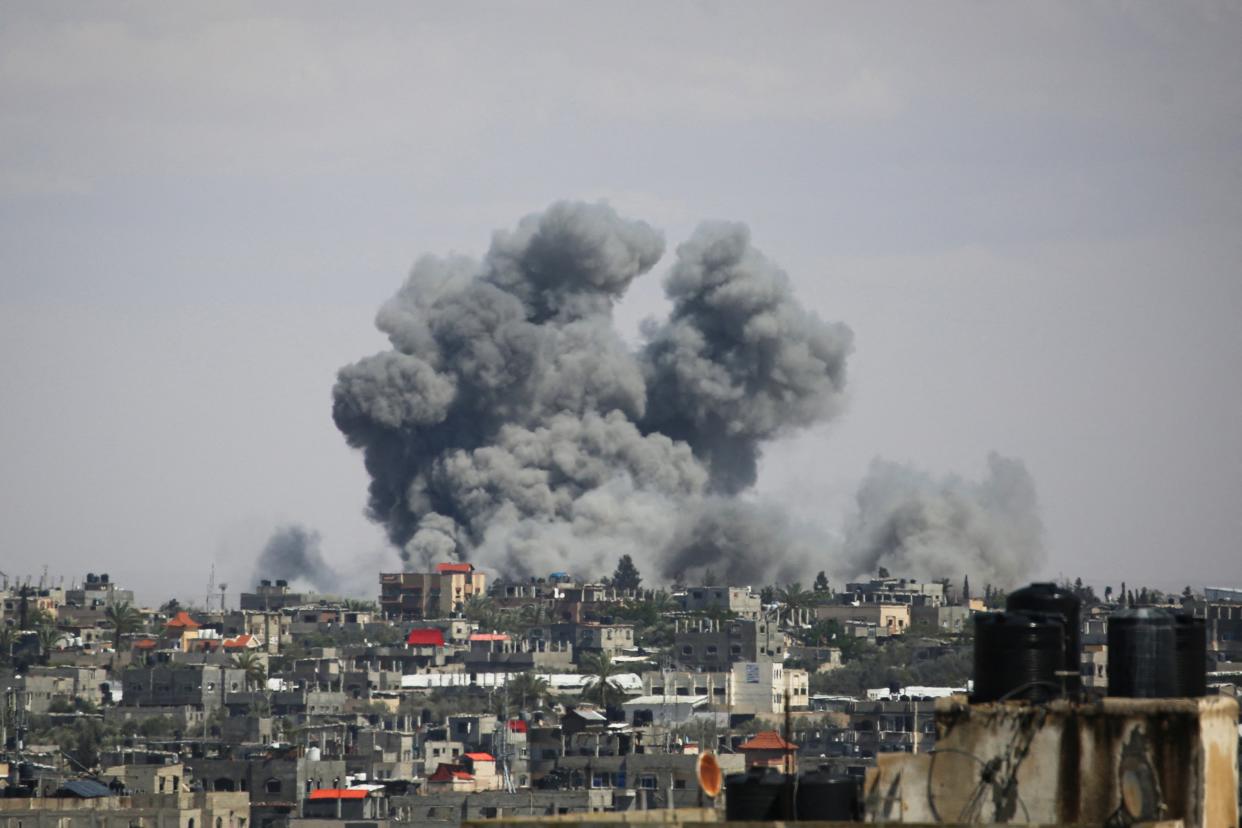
{"points": [[916, 525], [292, 554], [510, 425]]}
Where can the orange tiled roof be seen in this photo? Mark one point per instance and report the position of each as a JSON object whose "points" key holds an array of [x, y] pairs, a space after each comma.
{"points": [[183, 621], [768, 740]]}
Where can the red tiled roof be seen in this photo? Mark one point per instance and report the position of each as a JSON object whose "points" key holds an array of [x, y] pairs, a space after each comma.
{"points": [[480, 757], [239, 643], [426, 637], [489, 636], [768, 740], [518, 726], [339, 793], [454, 567], [447, 773], [182, 620]]}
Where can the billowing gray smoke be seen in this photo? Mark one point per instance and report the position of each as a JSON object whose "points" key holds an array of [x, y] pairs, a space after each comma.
{"points": [[292, 554], [510, 425], [919, 526]]}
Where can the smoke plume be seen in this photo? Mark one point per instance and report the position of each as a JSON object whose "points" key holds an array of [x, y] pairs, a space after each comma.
{"points": [[292, 554], [917, 526], [510, 425]]}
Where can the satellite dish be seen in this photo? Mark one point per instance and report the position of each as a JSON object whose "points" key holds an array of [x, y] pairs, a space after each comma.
{"points": [[710, 778]]}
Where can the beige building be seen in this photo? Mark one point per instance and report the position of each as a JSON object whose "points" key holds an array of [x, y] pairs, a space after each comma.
{"points": [[893, 617], [748, 687], [737, 600], [416, 595], [183, 810]]}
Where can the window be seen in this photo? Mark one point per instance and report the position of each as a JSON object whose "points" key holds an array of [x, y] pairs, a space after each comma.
{"points": [[687, 650], [647, 781], [711, 649], [272, 785]]}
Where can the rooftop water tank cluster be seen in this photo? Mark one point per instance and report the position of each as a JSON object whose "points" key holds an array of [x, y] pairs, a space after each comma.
{"points": [[1032, 650]]}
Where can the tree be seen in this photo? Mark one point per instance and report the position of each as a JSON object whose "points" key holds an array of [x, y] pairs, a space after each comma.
{"points": [[821, 582], [601, 671], [48, 637], [626, 576], [123, 619], [1108, 594], [1188, 593], [883, 573], [710, 578], [965, 589], [252, 666], [793, 598], [527, 688]]}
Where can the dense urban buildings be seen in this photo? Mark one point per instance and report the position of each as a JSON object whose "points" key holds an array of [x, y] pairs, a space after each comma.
{"points": [[452, 697]]}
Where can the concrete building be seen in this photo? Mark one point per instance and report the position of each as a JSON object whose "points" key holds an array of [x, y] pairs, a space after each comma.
{"points": [[205, 686], [950, 618], [1116, 761], [737, 600], [763, 687], [184, 810], [704, 644], [97, 592], [894, 618], [419, 595], [897, 591]]}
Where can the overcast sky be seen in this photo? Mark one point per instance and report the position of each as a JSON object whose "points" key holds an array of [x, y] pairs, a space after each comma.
{"points": [[1029, 213]]}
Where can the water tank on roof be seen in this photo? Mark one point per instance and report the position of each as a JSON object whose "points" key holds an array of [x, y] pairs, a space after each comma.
{"points": [[265, 582], [1190, 642], [823, 797], [313, 754], [754, 796], [91, 578], [1018, 655], [1050, 599], [1142, 654], [280, 582], [103, 579]]}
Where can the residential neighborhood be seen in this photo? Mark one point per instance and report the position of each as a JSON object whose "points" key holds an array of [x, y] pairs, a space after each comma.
{"points": [[455, 696]]}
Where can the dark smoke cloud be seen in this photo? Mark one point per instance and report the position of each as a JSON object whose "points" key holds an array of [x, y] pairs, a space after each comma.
{"points": [[292, 554], [739, 362], [918, 526], [510, 425]]}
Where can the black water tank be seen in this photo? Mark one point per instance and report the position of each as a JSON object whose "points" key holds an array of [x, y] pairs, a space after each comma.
{"points": [[1190, 641], [754, 796], [823, 797], [1018, 656], [1050, 599], [1142, 654]]}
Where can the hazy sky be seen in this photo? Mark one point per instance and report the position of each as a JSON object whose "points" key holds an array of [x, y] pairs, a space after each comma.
{"points": [[1030, 214]]}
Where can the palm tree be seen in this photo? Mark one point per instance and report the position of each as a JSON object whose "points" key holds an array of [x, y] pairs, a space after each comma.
{"points": [[601, 670], [481, 610], [123, 619], [793, 598], [253, 667], [527, 687], [48, 637]]}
